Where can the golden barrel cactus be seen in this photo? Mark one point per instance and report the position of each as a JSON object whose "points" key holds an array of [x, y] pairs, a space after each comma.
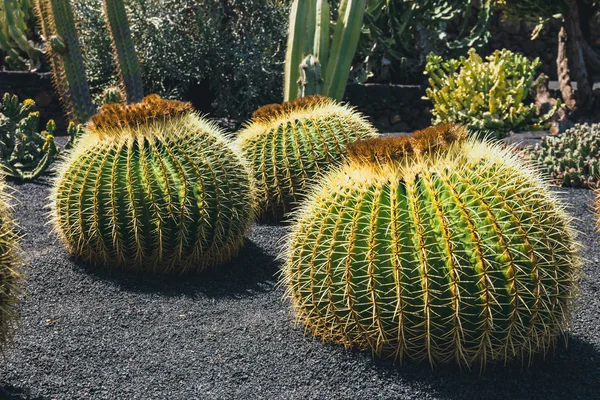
{"points": [[153, 186], [433, 247], [289, 145]]}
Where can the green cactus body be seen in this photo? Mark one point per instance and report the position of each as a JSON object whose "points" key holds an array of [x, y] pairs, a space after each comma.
{"points": [[125, 55], [462, 256], [58, 26], [289, 144], [9, 270], [152, 186]]}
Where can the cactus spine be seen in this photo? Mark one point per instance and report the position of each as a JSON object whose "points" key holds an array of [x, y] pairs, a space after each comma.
{"points": [[309, 51], [288, 145], [435, 249], [154, 187], [125, 55], [9, 270], [58, 26]]}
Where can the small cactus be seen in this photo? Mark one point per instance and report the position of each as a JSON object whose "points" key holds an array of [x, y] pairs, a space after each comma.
{"points": [[112, 95], [9, 270], [152, 186], [25, 153], [571, 159], [289, 144], [433, 248]]}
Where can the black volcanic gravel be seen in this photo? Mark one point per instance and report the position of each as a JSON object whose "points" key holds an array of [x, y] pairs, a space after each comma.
{"points": [[98, 334]]}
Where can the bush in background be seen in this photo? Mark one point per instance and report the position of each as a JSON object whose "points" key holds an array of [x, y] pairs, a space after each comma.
{"points": [[236, 45], [483, 94]]}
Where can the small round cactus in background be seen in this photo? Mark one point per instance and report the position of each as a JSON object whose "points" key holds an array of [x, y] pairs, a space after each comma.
{"points": [[289, 144], [153, 186], [433, 247], [9, 269]]}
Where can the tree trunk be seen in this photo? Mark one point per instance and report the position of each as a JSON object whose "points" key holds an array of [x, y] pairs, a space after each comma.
{"points": [[576, 61], [562, 65]]}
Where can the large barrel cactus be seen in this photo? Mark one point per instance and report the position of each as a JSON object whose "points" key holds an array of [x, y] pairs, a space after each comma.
{"points": [[289, 144], [152, 186], [9, 269], [435, 248]]}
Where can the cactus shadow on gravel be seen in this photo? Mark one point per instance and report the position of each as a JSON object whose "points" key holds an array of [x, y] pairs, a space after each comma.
{"points": [[566, 373], [251, 271], [9, 392]]}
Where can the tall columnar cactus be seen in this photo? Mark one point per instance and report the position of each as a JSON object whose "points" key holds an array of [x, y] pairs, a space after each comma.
{"points": [[152, 186], [125, 55], [58, 26], [309, 50], [433, 248], [9, 270], [288, 145]]}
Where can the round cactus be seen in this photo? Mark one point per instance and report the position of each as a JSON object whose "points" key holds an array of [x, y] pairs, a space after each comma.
{"points": [[433, 247], [289, 144], [152, 186], [9, 269]]}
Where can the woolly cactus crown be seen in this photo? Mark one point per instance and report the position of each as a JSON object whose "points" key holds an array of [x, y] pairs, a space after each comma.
{"points": [[151, 109]]}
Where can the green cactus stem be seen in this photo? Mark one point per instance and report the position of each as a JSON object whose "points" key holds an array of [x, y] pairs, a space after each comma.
{"points": [[309, 50], [124, 50], [151, 186], [433, 248], [288, 145], [58, 26], [310, 77]]}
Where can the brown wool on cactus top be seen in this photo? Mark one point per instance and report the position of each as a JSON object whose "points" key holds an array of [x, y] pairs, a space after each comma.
{"points": [[422, 142], [151, 108], [275, 110]]}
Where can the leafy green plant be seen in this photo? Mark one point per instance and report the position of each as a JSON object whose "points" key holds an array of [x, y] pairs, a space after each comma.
{"points": [[152, 186], [398, 34], [235, 46], [9, 270], [433, 248], [289, 145], [25, 153], [488, 94], [570, 159]]}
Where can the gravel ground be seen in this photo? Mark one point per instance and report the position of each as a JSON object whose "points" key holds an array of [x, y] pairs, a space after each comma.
{"points": [[97, 334]]}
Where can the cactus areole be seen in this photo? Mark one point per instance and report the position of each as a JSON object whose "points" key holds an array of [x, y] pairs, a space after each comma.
{"points": [[433, 247], [152, 186]]}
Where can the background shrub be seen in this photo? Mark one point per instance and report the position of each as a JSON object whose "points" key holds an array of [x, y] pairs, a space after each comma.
{"points": [[483, 94], [234, 48]]}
